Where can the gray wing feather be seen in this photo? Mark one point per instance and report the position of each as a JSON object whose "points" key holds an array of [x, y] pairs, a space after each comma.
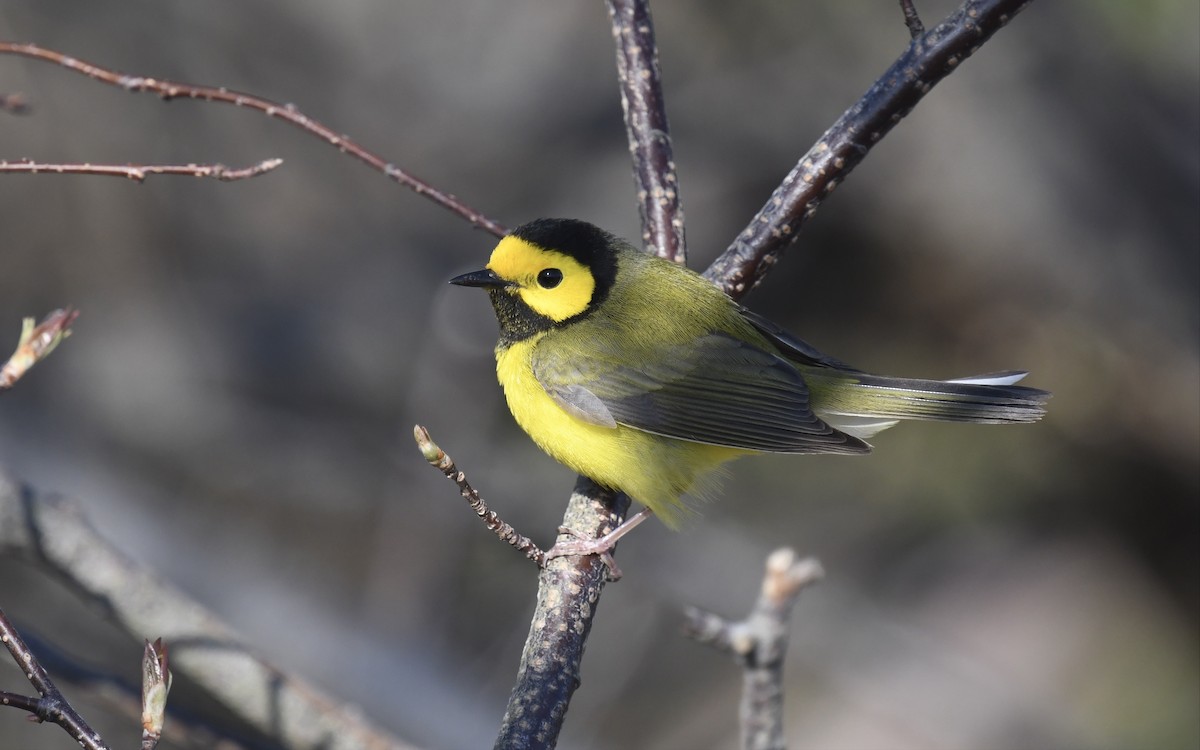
{"points": [[716, 389]]}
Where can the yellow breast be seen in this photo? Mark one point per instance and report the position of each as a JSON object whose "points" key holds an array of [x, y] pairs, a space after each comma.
{"points": [[651, 469]]}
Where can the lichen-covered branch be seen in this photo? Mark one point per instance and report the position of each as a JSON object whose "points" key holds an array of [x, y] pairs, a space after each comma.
{"points": [[568, 593]]}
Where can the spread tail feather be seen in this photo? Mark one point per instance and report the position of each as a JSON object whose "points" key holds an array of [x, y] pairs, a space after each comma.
{"points": [[861, 405]]}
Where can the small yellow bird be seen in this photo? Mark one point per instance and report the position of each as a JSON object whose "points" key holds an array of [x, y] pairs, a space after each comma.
{"points": [[644, 377]]}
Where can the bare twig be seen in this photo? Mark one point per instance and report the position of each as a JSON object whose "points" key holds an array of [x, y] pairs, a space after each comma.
{"points": [[35, 344], [14, 104], [286, 112], [439, 460], [55, 533], [912, 19], [52, 706], [927, 60], [139, 172], [646, 128], [759, 644]]}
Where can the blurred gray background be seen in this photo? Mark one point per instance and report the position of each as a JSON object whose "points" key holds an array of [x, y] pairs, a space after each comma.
{"points": [[236, 405]]}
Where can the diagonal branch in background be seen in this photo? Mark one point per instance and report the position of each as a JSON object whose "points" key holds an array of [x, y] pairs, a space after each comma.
{"points": [[139, 172], [54, 533], [173, 90], [646, 127], [928, 59]]}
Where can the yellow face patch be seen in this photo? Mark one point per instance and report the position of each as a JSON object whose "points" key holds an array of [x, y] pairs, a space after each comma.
{"points": [[551, 283]]}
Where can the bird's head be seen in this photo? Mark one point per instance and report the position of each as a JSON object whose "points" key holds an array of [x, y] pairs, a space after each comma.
{"points": [[546, 273]]}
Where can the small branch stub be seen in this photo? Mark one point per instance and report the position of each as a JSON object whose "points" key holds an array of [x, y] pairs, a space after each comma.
{"points": [[759, 644], [912, 19]]}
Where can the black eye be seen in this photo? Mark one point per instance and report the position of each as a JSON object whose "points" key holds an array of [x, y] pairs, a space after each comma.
{"points": [[549, 278]]}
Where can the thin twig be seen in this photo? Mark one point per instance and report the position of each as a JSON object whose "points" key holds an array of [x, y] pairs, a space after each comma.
{"points": [[926, 61], [35, 344], [139, 172], [14, 104], [52, 707], [646, 128], [759, 644], [286, 112], [439, 460], [912, 19]]}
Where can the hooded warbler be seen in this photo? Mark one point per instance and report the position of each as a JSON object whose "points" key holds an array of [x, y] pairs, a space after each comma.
{"points": [[641, 375]]}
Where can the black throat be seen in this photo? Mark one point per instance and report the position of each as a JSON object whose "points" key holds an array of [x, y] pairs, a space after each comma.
{"points": [[518, 321]]}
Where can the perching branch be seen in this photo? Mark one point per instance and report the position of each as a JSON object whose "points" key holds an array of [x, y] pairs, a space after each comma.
{"points": [[568, 594], [287, 112], [52, 706], [139, 172], [646, 127], [927, 61], [759, 644]]}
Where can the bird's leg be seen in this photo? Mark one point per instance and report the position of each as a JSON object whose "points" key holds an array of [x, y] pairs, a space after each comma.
{"points": [[601, 545]]}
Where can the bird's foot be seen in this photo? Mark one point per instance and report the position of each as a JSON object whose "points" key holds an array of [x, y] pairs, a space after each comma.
{"points": [[601, 545]]}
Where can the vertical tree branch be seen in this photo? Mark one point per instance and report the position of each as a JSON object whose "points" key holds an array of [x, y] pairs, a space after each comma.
{"points": [[569, 587], [568, 593], [928, 60], [646, 128]]}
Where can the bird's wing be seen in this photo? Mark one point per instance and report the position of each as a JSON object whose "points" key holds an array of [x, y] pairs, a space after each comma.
{"points": [[793, 348], [715, 389]]}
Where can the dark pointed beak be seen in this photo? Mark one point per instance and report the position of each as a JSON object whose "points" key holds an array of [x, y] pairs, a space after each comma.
{"points": [[485, 278]]}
